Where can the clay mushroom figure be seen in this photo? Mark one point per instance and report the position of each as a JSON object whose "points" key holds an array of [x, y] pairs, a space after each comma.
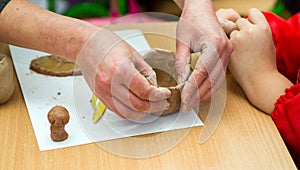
{"points": [[58, 116]]}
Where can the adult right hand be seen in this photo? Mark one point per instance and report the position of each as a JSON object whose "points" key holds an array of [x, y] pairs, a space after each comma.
{"points": [[199, 31], [120, 77]]}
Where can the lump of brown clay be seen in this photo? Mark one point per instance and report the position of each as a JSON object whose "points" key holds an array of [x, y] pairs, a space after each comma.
{"points": [[6, 78], [163, 63], [58, 116], [165, 80]]}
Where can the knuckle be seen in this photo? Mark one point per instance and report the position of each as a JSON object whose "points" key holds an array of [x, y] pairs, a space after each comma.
{"points": [[144, 93], [141, 106], [202, 73]]}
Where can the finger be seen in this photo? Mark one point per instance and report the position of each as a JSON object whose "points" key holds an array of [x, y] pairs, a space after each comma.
{"points": [[183, 60], [143, 90], [132, 101], [126, 112], [204, 65], [242, 22], [113, 104], [195, 99], [129, 76], [208, 87], [191, 86], [233, 34], [256, 17], [206, 96], [145, 69], [227, 19], [106, 99], [228, 14], [228, 26], [118, 107], [215, 79]]}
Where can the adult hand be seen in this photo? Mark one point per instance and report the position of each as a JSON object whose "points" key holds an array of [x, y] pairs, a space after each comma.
{"points": [[198, 30], [120, 78]]}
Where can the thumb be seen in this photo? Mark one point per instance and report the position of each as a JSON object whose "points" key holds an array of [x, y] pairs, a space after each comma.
{"points": [[145, 69]]}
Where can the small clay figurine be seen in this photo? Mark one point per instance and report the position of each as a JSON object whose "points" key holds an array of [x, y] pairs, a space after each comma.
{"points": [[58, 116]]}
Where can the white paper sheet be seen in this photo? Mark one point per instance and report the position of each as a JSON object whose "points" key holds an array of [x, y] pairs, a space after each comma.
{"points": [[42, 92]]}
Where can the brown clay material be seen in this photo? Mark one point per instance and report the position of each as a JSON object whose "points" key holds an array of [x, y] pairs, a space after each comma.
{"points": [[54, 66], [163, 63], [166, 80], [6, 78], [58, 116]]}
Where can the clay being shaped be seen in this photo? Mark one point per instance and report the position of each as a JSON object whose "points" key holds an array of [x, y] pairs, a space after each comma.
{"points": [[6, 78], [58, 116], [163, 63]]}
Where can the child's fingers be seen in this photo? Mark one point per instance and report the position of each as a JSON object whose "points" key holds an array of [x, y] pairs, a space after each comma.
{"points": [[242, 22], [228, 14], [228, 26], [256, 17], [233, 34]]}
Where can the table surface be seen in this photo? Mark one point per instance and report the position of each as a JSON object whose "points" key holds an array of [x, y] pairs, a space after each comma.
{"points": [[245, 137]]}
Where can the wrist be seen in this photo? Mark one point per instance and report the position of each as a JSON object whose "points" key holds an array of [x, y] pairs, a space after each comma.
{"points": [[264, 89], [253, 82], [81, 35]]}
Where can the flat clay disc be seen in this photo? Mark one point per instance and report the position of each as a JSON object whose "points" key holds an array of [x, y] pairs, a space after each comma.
{"points": [[54, 66]]}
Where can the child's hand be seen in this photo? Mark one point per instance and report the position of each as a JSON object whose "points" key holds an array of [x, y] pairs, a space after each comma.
{"points": [[254, 51], [253, 62], [227, 19]]}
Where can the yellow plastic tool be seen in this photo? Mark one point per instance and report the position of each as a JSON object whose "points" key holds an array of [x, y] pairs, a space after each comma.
{"points": [[99, 109]]}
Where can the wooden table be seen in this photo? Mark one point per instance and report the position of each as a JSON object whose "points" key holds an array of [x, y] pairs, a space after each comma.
{"points": [[245, 138]]}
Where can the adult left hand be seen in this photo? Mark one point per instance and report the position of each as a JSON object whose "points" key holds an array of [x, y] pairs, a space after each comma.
{"points": [[199, 30]]}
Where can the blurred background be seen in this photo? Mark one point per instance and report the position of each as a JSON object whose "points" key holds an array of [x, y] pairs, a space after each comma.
{"points": [[102, 11]]}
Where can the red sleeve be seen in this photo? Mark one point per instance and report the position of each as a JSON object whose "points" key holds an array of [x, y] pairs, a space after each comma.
{"points": [[286, 36], [286, 116]]}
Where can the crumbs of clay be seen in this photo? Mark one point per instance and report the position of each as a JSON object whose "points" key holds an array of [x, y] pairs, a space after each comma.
{"points": [[58, 117]]}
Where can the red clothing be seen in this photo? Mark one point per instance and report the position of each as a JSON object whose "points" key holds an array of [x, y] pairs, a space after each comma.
{"points": [[286, 36], [286, 115]]}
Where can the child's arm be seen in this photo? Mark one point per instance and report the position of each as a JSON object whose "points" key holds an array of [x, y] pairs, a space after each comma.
{"points": [[253, 65], [253, 62], [264, 89]]}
